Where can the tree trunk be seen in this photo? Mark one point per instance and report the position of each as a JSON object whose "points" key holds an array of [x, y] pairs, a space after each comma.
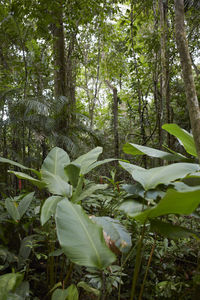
{"points": [[115, 118], [164, 79], [190, 90], [59, 56]]}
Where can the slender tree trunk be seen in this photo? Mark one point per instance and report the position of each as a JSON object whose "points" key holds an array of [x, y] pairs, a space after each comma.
{"points": [[164, 78], [115, 118], [190, 89], [59, 56]]}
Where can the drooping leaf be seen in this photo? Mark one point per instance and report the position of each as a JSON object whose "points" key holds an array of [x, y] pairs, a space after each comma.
{"points": [[150, 178], [12, 209], [132, 207], [116, 231], [82, 240], [25, 203], [89, 191], [135, 149], [56, 185], [49, 208], [34, 181], [174, 202], [185, 137], [55, 162], [99, 163], [171, 231], [73, 170], [88, 288], [86, 160], [14, 163]]}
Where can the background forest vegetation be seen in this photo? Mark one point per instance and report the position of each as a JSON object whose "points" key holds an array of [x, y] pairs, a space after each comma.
{"points": [[119, 80]]}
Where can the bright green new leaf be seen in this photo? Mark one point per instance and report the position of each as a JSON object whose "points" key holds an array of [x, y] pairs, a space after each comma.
{"points": [[12, 209], [34, 181], [86, 160], [135, 149], [116, 231], [185, 137], [89, 191], [49, 208], [25, 203], [150, 178], [73, 171], [82, 240], [8, 283], [174, 202], [171, 231], [56, 185], [71, 293], [55, 162]]}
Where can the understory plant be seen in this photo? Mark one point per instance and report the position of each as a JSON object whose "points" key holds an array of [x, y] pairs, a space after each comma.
{"points": [[85, 240], [172, 189]]}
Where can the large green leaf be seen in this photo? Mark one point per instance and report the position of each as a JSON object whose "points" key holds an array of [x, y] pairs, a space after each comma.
{"points": [[12, 209], [49, 208], [174, 202], [116, 231], [82, 240], [89, 191], [150, 178], [135, 149], [34, 181], [25, 203], [73, 171], [171, 231], [55, 162], [185, 137], [86, 160], [56, 185]]}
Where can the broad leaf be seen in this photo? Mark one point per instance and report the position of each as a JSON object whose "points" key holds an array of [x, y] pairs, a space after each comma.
{"points": [[82, 240], [49, 208], [171, 231], [12, 209], [135, 149], [150, 178], [34, 181], [55, 162], [72, 171], [25, 203], [174, 202], [185, 137], [56, 185], [116, 231], [86, 160], [89, 191]]}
